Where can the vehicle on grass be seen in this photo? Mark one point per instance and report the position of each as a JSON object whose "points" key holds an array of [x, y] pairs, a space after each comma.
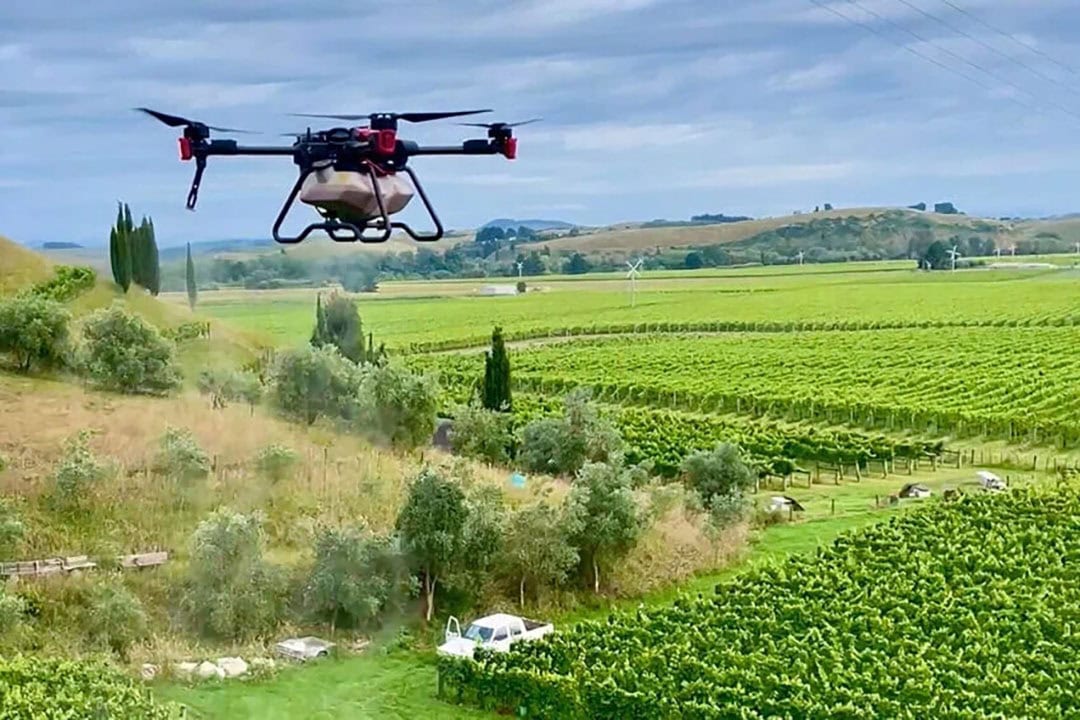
{"points": [[494, 632], [990, 481]]}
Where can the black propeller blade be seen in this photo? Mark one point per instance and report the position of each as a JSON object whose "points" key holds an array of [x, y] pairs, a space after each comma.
{"points": [[177, 121], [497, 125], [407, 117]]}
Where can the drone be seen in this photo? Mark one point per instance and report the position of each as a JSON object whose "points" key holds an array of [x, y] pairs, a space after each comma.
{"points": [[352, 176]]}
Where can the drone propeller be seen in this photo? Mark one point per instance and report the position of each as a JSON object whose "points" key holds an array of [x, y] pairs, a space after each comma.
{"points": [[500, 125], [177, 121], [407, 117]]}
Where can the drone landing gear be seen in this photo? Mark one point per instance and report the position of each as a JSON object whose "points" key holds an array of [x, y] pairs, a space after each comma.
{"points": [[344, 231]]}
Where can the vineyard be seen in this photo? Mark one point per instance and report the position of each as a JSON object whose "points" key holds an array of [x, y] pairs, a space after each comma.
{"points": [[1016, 385], [743, 301], [961, 610]]}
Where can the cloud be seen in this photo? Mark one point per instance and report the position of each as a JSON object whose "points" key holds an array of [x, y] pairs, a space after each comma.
{"points": [[652, 108]]}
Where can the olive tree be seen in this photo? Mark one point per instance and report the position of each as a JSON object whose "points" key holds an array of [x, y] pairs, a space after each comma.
{"points": [[608, 519], [33, 331], [124, 353], [538, 551]]}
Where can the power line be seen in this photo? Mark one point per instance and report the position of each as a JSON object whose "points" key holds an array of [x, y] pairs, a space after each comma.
{"points": [[1012, 58], [913, 51], [962, 59], [1009, 36]]}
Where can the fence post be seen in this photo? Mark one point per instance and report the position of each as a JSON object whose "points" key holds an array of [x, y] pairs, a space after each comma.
{"points": [[832, 506]]}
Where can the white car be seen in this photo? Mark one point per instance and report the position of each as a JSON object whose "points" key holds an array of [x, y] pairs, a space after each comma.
{"points": [[990, 481], [497, 632]]}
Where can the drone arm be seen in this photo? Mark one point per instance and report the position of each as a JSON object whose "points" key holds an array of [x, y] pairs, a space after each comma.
{"points": [[507, 147]]}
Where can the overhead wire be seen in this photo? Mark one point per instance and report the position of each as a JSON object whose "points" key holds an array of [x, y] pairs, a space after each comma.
{"points": [[1009, 36], [1012, 58], [867, 26]]}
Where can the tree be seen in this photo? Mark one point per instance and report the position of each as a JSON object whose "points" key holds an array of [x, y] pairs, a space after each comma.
{"points": [[565, 444], [34, 331], [718, 473], [145, 268], [533, 264], [76, 474], [189, 280], [356, 576], [397, 405], [338, 323], [608, 520], [694, 260], [828, 207], [521, 287], [432, 528], [309, 383], [481, 537], [122, 352], [945, 208], [497, 375], [232, 592], [538, 552], [482, 434], [120, 247], [577, 265], [937, 256]]}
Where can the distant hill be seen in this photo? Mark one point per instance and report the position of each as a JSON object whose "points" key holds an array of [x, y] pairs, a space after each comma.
{"points": [[852, 232], [60, 246], [537, 225]]}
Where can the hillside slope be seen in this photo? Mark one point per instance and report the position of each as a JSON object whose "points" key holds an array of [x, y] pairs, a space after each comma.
{"points": [[644, 238], [21, 267]]}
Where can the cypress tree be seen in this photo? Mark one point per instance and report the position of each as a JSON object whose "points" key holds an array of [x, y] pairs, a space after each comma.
{"points": [[192, 290], [318, 335], [153, 261], [496, 394], [120, 248]]}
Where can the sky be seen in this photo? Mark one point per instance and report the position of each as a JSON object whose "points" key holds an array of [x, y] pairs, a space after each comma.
{"points": [[651, 108]]}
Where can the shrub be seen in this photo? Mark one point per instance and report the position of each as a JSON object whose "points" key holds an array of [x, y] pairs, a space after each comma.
{"points": [[123, 353], [76, 474], [356, 576], [113, 617], [276, 462], [225, 386], [12, 529], [33, 331], [34, 687], [566, 444], [67, 283], [718, 473], [180, 457], [232, 592], [482, 434], [397, 405], [12, 612], [309, 383]]}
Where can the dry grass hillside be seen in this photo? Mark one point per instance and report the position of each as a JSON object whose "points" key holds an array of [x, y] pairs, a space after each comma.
{"points": [[20, 267], [642, 238]]}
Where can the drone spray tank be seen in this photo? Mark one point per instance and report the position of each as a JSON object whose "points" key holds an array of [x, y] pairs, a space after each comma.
{"points": [[353, 196]]}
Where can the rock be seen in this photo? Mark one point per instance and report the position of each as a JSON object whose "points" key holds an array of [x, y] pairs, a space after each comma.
{"points": [[207, 670], [232, 666], [149, 671], [184, 669], [261, 664]]}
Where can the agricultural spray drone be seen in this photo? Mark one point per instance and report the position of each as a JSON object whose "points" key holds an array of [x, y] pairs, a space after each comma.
{"points": [[350, 175]]}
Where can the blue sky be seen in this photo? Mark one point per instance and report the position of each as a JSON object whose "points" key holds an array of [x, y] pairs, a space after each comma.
{"points": [[652, 108]]}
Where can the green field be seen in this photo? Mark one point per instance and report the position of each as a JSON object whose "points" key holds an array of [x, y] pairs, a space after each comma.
{"points": [[453, 315]]}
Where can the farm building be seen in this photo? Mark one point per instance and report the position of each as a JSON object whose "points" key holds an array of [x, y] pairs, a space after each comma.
{"points": [[498, 290], [915, 490]]}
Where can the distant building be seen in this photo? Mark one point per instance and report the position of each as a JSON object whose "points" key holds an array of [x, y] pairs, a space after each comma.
{"points": [[495, 290]]}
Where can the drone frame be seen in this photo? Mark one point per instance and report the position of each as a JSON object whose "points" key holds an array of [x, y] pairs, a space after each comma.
{"points": [[373, 150]]}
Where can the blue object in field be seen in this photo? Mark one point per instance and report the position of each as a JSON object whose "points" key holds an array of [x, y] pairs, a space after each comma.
{"points": [[517, 480]]}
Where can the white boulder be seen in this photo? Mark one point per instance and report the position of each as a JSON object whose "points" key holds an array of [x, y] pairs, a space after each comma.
{"points": [[232, 666], [184, 669], [207, 670]]}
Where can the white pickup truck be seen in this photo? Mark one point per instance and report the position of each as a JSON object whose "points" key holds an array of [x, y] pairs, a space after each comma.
{"points": [[496, 632]]}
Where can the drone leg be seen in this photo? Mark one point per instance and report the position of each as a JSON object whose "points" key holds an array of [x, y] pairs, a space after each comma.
{"points": [[193, 193], [421, 237], [384, 217]]}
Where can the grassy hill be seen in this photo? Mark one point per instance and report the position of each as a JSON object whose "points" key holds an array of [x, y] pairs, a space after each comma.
{"points": [[637, 238], [21, 267]]}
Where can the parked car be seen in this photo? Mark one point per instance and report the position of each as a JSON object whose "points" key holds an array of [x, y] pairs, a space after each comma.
{"points": [[496, 632]]}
